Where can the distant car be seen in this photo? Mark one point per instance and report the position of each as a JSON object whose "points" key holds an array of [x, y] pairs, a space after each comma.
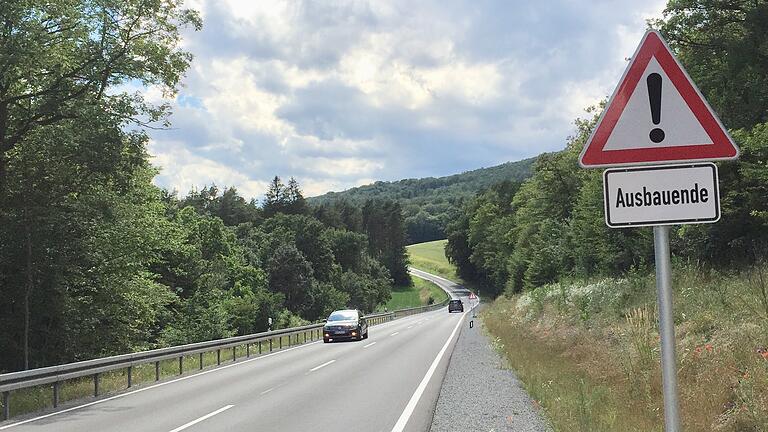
{"points": [[455, 305], [349, 324]]}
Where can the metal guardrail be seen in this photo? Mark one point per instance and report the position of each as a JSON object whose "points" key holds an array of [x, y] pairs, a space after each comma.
{"points": [[55, 375]]}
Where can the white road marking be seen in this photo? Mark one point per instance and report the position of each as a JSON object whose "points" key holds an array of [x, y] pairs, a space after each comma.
{"points": [[395, 334], [219, 368], [121, 395], [321, 366], [370, 344], [267, 391], [207, 416], [408, 411], [409, 327]]}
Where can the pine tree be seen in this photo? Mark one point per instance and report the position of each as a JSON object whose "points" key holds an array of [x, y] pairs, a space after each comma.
{"points": [[276, 198]]}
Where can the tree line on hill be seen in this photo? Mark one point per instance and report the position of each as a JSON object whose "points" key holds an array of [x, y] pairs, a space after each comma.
{"points": [[430, 204], [94, 259], [520, 235]]}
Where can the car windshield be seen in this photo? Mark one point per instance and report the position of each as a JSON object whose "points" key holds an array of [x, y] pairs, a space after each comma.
{"points": [[455, 301], [343, 316]]}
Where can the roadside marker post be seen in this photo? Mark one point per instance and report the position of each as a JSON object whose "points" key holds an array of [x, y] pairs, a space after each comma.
{"points": [[656, 115]]}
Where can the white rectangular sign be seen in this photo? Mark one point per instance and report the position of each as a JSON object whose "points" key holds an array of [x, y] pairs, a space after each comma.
{"points": [[661, 195]]}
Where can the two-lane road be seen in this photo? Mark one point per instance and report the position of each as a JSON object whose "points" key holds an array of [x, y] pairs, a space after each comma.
{"points": [[389, 382]]}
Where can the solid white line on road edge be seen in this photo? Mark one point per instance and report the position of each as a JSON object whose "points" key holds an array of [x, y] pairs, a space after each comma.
{"points": [[321, 366], [267, 391], [370, 344], [155, 386], [207, 416], [395, 334], [408, 411]]}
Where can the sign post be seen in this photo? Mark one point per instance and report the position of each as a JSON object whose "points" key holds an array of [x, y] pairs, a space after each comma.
{"points": [[656, 115], [666, 327]]}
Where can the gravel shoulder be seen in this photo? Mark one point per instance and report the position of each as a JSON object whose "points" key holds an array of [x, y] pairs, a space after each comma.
{"points": [[479, 393]]}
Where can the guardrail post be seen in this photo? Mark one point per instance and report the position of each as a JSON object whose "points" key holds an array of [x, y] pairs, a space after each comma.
{"points": [[95, 384], [218, 356], [181, 365], [234, 353], [259, 347], [130, 376], [305, 336], [55, 394], [270, 344], [157, 371], [6, 405], [247, 350], [201, 361], [281, 342]]}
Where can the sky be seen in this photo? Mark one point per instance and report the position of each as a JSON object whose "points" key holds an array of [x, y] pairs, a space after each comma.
{"points": [[343, 93]]}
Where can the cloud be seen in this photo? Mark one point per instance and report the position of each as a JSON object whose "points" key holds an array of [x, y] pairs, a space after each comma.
{"points": [[338, 93]]}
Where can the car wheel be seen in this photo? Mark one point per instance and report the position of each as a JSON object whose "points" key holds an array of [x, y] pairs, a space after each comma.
{"points": [[325, 341], [359, 335], [366, 335]]}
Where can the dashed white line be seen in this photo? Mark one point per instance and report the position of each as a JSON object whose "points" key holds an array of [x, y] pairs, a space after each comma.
{"points": [[370, 344], [395, 334], [321, 366], [207, 416], [184, 378], [409, 327], [267, 391]]}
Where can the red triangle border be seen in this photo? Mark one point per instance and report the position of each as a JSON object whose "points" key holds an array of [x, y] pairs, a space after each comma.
{"points": [[652, 45]]}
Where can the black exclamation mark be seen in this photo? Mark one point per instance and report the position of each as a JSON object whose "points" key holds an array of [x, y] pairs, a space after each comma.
{"points": [[654, 96]]}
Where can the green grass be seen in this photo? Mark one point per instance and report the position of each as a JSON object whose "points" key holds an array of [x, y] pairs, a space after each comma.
{"points": [[416, 295], [588, 351], [430, 257]]}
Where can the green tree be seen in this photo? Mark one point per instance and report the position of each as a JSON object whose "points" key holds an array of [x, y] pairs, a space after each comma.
{"points": [[58, 57], [291, 275], [723, 45]]}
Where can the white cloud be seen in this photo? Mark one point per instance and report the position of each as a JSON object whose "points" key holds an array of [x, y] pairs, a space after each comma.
{"points": [[338, 93]]}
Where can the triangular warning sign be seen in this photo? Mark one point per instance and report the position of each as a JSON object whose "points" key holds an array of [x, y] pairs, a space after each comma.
{"points": [[656, 115]]}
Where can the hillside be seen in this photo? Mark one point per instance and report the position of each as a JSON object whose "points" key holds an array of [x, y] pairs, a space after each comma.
{"points": [[430, 203]]}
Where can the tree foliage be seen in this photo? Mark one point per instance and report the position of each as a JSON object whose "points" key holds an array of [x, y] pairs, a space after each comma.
{"points": [[552, 227], [94, 259], [430, 204]]}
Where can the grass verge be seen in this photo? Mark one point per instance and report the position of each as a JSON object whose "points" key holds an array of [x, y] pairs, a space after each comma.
{"points": [[588, 352], [417, 295], [430, 257]]}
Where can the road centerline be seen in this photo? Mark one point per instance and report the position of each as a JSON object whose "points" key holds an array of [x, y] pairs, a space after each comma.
{"points": [[322, 365], [395, 334], [370, 344], [205, 417]]}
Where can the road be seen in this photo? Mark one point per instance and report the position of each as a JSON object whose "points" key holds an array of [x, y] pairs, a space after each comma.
{"points": [[389, 382]]}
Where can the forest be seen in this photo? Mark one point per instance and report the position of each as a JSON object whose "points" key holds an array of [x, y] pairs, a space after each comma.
{"points": [[429, 204], [517, 236], [94, 259]]}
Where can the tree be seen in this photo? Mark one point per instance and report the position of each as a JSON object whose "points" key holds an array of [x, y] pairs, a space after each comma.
{"points": [[384, 224], [295, 202], [58, 57], [276, 198], [291, 275], [722, 44]]}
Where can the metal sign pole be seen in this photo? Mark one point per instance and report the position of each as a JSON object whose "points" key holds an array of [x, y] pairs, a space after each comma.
{"points": [[666, 328]]}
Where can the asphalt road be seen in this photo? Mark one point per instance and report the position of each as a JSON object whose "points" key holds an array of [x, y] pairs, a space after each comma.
{"points": [[389, 382]]}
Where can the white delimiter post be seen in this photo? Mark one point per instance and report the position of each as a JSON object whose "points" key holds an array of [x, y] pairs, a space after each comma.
{"points": [[666, 328]]}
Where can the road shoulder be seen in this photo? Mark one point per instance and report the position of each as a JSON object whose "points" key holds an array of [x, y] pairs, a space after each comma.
{"points": [[479, 393]]}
